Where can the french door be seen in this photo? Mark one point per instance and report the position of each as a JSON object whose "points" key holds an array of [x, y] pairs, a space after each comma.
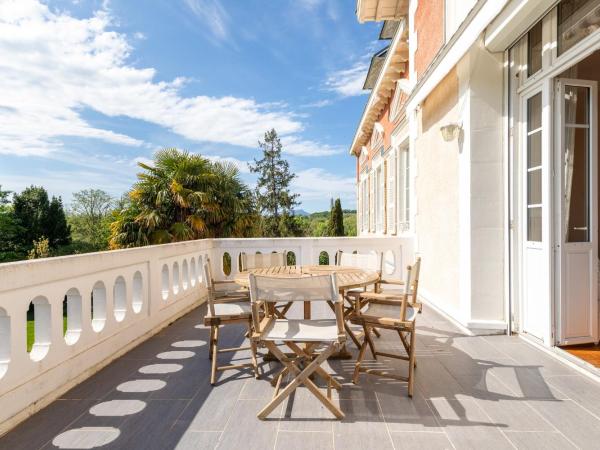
{"points": [[576, 205], [535, 249]]}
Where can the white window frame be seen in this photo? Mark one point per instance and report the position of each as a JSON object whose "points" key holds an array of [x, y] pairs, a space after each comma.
{"points": [[391, 189], [404, 189]]}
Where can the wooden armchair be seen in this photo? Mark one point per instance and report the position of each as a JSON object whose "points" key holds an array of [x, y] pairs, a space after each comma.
{"points": [[226, 307], [391, 312]]}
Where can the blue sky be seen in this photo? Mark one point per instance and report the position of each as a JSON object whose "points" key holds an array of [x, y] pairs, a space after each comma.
{"points": [[90, 87]]}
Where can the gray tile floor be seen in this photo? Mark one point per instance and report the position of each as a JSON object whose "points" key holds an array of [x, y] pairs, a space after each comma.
{"points": [[471, 392]]}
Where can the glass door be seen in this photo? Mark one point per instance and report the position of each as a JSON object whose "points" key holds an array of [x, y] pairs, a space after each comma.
{"points": [[577, 236], [534, 163]]}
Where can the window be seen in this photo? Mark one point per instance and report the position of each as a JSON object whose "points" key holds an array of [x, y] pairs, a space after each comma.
{"points": [[576, 20], [576, 153], [379, 205], [364, 204], [392, 176], [534, 49], [404, 189], [534, 168]]}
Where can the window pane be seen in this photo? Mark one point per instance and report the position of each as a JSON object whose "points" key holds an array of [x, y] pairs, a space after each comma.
{"points": [[534, 150], [577, 184], [534, 187], [534, 177], [534, 224], [576, 20], [576, 105], [534, 112], [534, 49]]}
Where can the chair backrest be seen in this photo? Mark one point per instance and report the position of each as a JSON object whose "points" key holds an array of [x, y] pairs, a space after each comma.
{"points": [[317, 288], [258, 260], [413, 281], [207, 270], [367, 261], [294, 289]]}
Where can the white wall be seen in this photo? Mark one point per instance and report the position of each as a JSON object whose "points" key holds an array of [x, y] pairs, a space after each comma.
{"points": [[485, 130]]}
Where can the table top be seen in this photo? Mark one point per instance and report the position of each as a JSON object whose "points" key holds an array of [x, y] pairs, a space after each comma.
{"points": [[347, 277]]}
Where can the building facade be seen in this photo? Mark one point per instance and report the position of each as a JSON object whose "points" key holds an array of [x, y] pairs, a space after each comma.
{"points": [[479, 142]]}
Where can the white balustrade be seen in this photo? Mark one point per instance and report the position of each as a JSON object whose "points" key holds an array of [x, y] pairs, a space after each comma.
{"points": [[115, 300]]}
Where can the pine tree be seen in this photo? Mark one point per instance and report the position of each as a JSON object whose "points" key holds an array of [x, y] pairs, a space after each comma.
{"points": [[273, 197], [58, 231], [336, 220]]}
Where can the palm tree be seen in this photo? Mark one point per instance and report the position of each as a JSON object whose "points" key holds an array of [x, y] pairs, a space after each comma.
{"points": [[184, 196]]}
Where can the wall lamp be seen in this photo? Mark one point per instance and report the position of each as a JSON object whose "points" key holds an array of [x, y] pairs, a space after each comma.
{"points": [[450, 131]]}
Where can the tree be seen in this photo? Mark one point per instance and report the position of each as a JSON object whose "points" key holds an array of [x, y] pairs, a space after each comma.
{"points": [[41, 249], [91, 216], [336, 220], [10, 231], [183, 196], [39, 217], [59, 232], [273, 197]]}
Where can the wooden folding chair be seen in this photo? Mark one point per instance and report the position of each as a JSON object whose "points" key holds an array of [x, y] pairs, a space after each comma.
{"points": [[260, 260], [391, 312], [366, 261], [270, 330], [263, 260], [226, 307]]}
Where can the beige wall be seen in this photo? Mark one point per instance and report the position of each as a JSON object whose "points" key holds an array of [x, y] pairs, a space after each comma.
{"points": [[459, 189], [436, 191]]}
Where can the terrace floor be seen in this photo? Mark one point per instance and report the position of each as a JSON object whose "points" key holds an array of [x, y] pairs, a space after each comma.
{"points": [[471, 392]]}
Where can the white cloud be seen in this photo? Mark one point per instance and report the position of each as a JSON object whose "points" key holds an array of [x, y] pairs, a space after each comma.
{"points": [[318, 104], [242, 166], [309, 4], [316, 184], [55, 67], [302, 147], [349, 82], [212, 15], [143, 160]]}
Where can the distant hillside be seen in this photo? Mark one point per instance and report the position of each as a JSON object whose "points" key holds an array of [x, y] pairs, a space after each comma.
{"points": [[315, 223]]}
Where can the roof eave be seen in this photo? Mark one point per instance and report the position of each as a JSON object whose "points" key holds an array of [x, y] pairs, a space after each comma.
{"points": [[392, 59]]}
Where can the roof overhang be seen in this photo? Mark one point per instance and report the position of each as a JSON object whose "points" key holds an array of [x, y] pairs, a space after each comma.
{"points": [[376, 10], [513, 21], [393, 69], [375, 68]]}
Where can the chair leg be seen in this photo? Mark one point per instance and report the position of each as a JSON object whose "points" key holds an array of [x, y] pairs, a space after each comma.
{"points": [[215, 354], [361, 355], [370, 341], [406, 346], [411, 363], [253, 351], [319, 370], [302, 377], [210, 342], [376, 332]]}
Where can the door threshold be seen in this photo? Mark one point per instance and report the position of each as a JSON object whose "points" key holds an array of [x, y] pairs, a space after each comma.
{"points": [[578, 364]]}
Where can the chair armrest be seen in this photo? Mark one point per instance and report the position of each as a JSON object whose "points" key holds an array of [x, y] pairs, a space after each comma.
{"points": [[397, 281], [381, 296], [221, 282]]}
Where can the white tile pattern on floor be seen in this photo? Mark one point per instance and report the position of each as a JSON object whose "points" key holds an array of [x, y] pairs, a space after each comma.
{"points": [[471, 392]]}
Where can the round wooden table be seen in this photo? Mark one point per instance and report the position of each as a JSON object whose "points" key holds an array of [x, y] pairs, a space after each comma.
{"points": [[347, 278]]}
